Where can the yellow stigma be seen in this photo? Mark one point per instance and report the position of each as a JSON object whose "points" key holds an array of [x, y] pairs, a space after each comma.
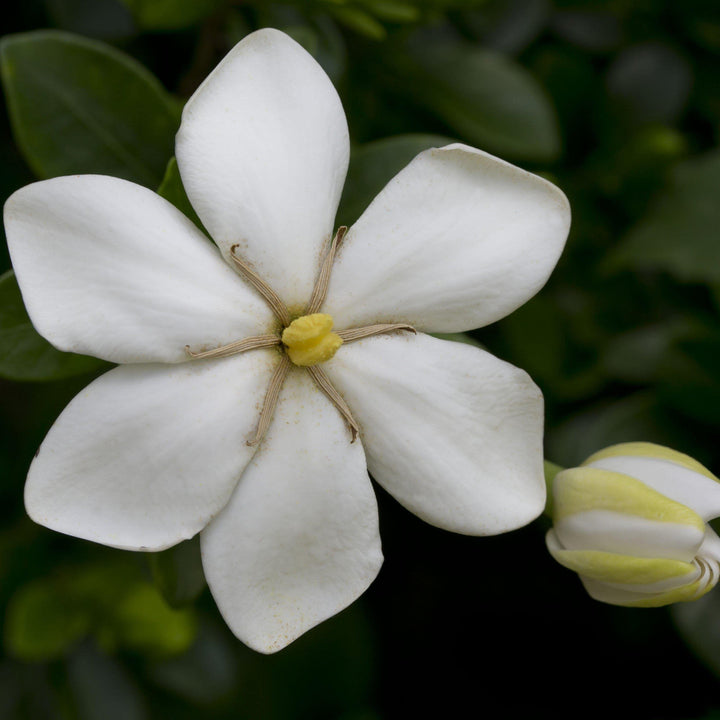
{"points": [[309, 339]]}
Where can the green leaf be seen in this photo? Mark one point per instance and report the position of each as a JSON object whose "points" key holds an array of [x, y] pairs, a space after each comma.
{"points": [[25, 355], [359, 21], [111, 602], [393, 10], [178, 572], [80, 106], [172, 189], [170, 14], [374, 164], [681, 232], [144, 622], [40, 625], [490, 100], [637, 355], [507, 26]]}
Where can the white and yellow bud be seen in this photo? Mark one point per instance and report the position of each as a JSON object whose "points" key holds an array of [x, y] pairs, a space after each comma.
{"points": [[632, 522]]}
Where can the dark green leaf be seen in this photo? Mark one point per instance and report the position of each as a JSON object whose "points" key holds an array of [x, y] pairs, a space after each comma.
{"points": [[636, 417], [374, 164], [507, 25], [637, 355], [25, 355], [171, 188], [207, 672], [80, 106], [170, 14], [589, 29], [651, 82], [490, 100], [97, 18], [690, 376], [102, 688], [681, 233], [178, 572]]}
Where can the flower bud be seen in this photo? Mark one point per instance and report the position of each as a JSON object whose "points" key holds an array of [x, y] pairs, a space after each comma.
{"points": [[632, 522]]}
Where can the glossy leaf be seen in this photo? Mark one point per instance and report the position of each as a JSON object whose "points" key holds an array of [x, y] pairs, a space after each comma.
{"points": [[488, 99], [681, 233], [80, 106]]}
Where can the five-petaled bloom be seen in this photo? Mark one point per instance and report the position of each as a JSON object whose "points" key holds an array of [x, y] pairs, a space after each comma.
{"points": [[231, 414], [632, 521]]}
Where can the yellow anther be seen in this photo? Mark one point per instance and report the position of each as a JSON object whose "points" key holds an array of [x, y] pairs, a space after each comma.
{"points": [[309, 339]]}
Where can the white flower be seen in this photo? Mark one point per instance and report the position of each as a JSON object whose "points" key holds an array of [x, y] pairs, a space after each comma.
{"points": [[632, 521], [160, 448]]}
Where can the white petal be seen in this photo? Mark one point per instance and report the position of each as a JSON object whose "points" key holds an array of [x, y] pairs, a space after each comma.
{"points": [[616, 532], [146, 455], [299, 539], [710, 547], [449, 430], [693, 489], [263, 151], [455, 241], [109, 268]]}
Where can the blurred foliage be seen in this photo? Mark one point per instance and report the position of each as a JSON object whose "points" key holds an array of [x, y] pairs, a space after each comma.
{"points": [[618, 103]]}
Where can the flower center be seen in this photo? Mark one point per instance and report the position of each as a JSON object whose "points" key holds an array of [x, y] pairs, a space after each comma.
{"points": [[309, 339]]}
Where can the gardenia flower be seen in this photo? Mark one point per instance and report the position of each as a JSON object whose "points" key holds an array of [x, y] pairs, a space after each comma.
{"points": [[632, 521], [237, 410]]}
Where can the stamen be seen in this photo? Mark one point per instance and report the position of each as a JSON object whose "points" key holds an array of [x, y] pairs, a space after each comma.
{"points": [[239, 346], [321, 284], [323, 382], [271, 398], [353, 334], [271, 297]]}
